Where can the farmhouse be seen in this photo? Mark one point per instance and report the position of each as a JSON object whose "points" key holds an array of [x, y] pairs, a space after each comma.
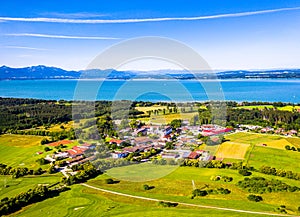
{"points": [[132, 149], [169, 155], [193, 155], [61, 155], [62, 142], [118, 142]]}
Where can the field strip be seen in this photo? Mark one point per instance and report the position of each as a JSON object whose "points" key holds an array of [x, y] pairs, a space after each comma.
{"points": [[185, 204]]}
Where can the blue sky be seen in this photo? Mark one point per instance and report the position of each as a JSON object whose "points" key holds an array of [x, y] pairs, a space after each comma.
{"points": [[69, 34]]}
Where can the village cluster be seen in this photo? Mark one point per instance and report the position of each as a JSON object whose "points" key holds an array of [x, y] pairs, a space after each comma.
{"points": [[167, 142]]}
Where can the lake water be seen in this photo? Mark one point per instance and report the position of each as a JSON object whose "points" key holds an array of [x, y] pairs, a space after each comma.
{"points": [[154, 90]]}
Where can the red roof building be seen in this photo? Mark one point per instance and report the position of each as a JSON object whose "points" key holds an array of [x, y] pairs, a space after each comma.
{"points": [[193, 155]]}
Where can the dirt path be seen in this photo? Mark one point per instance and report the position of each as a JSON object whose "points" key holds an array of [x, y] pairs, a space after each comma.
{"points": [[186, 204]]}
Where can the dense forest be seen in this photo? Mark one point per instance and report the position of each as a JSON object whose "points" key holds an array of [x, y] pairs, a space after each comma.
{"points": [[19, 114]]}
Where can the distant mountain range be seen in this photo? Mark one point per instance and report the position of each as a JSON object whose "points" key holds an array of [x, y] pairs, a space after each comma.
{"points": [[45, 72]]}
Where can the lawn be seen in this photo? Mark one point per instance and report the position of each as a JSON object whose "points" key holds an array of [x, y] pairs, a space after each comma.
{"points": [[232, 150], [281, 159]]}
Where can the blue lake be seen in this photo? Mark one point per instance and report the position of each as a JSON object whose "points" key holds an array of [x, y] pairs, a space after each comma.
{"points": [[154, 90]]}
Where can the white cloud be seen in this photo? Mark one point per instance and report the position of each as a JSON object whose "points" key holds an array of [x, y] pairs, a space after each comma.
{"points": [[61, 36], [25, 48], [73, 15], [100, 21]]}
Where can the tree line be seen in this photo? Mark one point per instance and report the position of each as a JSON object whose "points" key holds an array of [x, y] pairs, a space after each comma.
{"points": [[18, 171]]}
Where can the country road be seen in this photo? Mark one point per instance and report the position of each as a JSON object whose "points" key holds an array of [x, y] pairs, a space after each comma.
{"points": [[186, 204]]}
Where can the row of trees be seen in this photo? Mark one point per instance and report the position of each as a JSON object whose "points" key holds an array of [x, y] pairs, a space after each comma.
{"points": [[18, 171], [261, 185], [39, 193], [279, 172]]}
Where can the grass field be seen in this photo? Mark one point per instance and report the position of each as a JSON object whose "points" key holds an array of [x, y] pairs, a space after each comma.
{"points": [[281, 159], [81, 201], [232, 150], [255, 138], [20, 150], [141, 172], [177, 186]]}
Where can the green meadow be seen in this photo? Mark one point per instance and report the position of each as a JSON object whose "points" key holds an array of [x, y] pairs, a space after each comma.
{"points": [[9, 187], [281, 159], [82, 201], [20, 150], [177, 186]]}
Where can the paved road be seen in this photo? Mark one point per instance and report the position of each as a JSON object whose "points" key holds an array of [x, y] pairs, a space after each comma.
{"points": [[186, 204]]}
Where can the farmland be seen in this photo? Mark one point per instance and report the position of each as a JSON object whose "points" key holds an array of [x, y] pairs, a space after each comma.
{"points": [[169, 183], [165, 119], [232, 150], [261, 107]]}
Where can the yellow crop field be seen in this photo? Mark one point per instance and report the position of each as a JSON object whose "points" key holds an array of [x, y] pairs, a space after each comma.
{"points": [[280, 144], [150, 108], [232, 150]]}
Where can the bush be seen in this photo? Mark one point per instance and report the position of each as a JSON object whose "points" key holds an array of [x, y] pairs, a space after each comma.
{"points": [[167, 204], [146, 187], [47, 149], [109, 181], [255, 198], [42, 161], [198, 192], [245, 172]]}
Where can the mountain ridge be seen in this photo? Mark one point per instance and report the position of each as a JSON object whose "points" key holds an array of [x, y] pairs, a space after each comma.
{"points": [[49, 72]]}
